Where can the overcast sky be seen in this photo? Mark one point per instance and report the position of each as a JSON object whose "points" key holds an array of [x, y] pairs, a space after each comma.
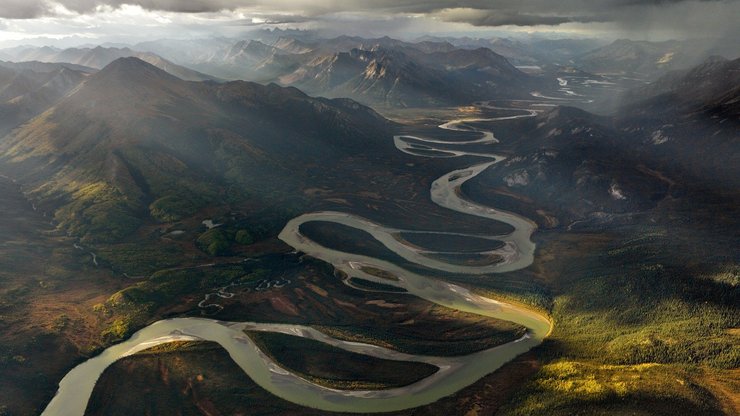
{"points": [[130, 21]]}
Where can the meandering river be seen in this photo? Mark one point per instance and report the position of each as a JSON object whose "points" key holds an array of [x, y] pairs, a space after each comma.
{"points": [[454, 373]]}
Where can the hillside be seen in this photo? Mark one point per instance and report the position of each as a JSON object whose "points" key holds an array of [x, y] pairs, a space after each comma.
{"points": [[99, 57], [105, 166], [651, 59], [690, 118], [30, 88], [409, 77], [713, 85]]}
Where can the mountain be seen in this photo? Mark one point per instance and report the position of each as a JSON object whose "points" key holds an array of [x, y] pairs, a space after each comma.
{"points": [[249, 52], [31, 53], [271, 58], [671, 146], [534, 51], [404, 77], [181, 72], [42, 67], [346, 43], [30, 88], [386, 77], [575, 166], [98, 57], [135, 145], [561, 51], [377, 71], [292, 45], [185, 52], [691, 118], [712, 85], [651, 59], [246, 59], [515, 51], [479, 60]]}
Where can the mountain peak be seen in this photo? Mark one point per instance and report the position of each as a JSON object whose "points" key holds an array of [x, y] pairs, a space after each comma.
{"points": [[125, 81], [132, 69]]}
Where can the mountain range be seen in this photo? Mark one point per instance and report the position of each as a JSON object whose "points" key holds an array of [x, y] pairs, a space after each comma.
{"points": [[30, 88], [673, 140], [383, 71], [98, 57], [105, 166], [410, 78], [650, 60]]}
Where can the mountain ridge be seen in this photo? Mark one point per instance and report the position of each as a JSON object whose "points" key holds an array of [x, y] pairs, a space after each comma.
{"points": [[106, 166]]}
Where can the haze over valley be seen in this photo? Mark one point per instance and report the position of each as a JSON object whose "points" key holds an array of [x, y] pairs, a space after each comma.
{"points": [[409, 208]]}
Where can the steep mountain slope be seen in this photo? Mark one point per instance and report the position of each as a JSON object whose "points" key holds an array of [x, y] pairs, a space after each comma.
{"points": [[25, 93], [135, 144], [249, 59], [651, 59], [480, 65], [99, 57], [691, 118], [575, 166], [673, 146], [249, 53], [406, 77], [292, 45], [712, 84]]}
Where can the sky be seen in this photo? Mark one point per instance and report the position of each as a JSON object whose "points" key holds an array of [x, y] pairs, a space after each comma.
{"points": [[68, 22]]}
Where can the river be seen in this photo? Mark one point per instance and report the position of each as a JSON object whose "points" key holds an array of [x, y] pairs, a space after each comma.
{"points": [[454, 373]]}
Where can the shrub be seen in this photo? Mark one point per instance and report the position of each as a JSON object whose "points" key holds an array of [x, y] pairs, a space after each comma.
{"points": [[214, 242], [172, 208], [244, 237]]}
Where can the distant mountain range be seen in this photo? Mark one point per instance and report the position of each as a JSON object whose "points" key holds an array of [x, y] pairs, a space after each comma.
{"points": [[380, 71], [410, 78], [394, 73], [98, 57], [526, 52], [652, 59]]}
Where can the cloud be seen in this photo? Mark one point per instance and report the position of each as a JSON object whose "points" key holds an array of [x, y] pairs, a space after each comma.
{"points": [[22, 9], [484, 12], [703, 17], [272, 19], [493, 18], [28, 9]]}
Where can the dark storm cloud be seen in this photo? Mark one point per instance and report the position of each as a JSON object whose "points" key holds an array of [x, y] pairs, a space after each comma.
{"points": [[21, 9], [519, 12], [640, 15]]}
